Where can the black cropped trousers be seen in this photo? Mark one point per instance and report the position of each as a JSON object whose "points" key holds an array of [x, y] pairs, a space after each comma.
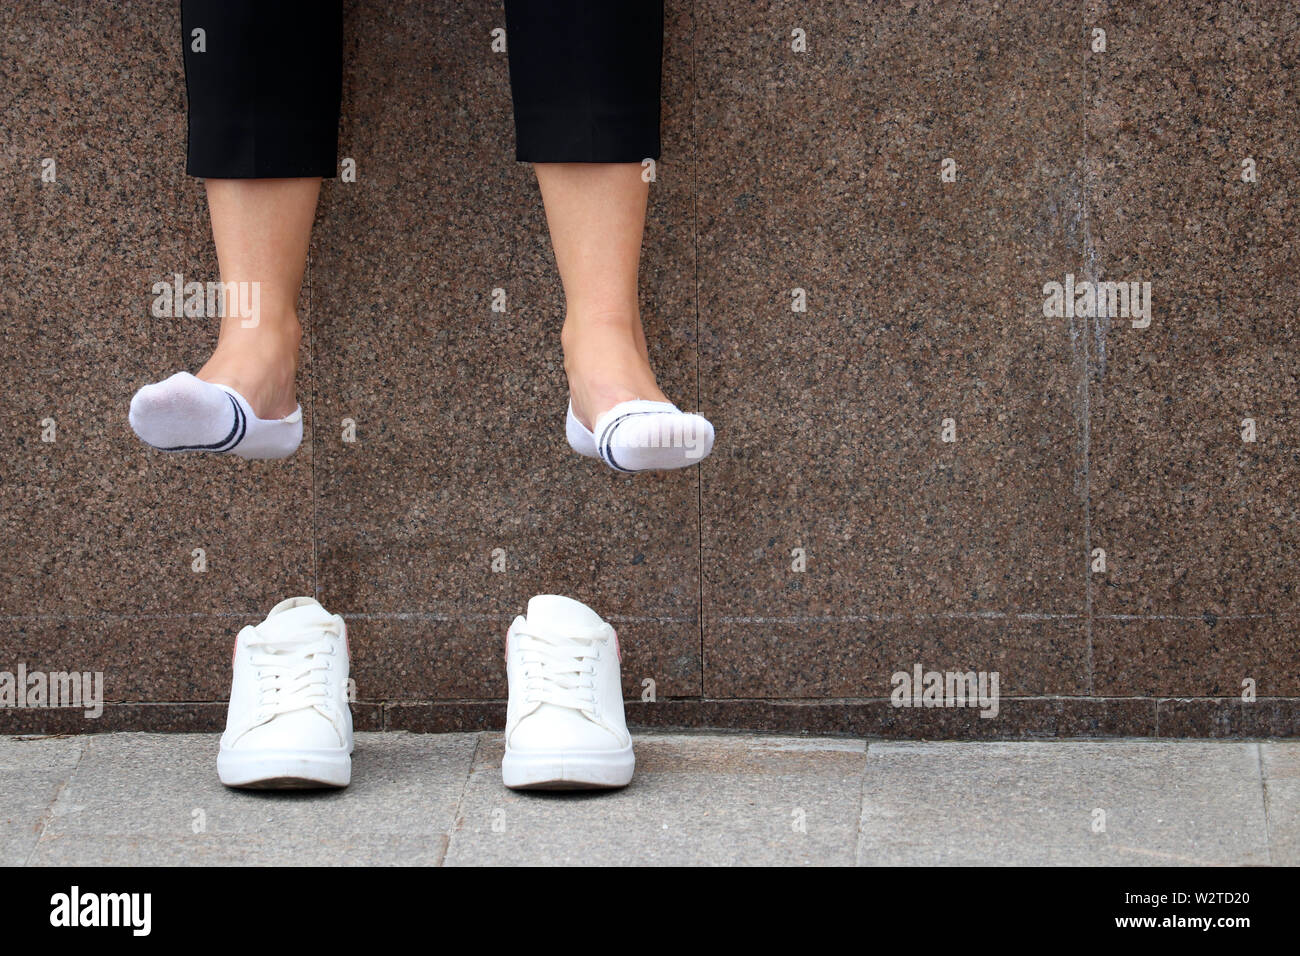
{"points": [[264, 80]]}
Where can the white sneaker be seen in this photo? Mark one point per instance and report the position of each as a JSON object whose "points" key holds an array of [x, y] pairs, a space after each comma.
{"points": [[564, 723], [289, 725]]}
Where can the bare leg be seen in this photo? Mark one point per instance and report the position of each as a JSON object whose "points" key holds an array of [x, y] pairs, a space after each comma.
{"points": [[262, 229], [596, 214]]}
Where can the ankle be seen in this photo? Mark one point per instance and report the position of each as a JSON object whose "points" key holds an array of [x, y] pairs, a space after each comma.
{"points": [[579, 323], [275, 331]]}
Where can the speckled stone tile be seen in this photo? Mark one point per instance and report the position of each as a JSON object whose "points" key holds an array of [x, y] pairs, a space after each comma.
{"points": [[1211, 657], [94, 522], [1197, 524], [460, 458], [150, 717], [419, 656], [193, 667], [821, 171], [437, 717], [164, 658], [812, 657], [1229, 717], [1016, 719]]}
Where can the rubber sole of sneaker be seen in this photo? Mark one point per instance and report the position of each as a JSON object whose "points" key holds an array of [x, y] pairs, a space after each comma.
{"points": [[284, 770], [568, 770]]}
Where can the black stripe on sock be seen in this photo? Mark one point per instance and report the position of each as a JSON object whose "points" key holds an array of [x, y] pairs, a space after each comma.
{"points": [[243, 424], [607, 438], [236, 432]]}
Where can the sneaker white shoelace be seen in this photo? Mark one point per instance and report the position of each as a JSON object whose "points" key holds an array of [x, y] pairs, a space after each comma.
{"points": [[559, 671], [292, 672]]}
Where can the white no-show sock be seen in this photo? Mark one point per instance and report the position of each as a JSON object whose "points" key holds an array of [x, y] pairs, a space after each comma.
{"points": [[580, 440], [642, 436], [184, 413]]}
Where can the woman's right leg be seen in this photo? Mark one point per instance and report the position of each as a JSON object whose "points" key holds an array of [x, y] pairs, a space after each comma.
{"points": [[262, 228], [263, 82]]}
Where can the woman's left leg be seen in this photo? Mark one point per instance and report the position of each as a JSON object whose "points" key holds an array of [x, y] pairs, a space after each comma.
{"points": [[596, 214], [585, 77]]}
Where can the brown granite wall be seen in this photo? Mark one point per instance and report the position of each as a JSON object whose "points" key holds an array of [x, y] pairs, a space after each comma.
{"points": [[820, 171]]}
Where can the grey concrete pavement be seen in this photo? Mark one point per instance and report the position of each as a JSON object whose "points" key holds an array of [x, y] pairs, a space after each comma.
{"points": [[1078, 802], [711, 799]]}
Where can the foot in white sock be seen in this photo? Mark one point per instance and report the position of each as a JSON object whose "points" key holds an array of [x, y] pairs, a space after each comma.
{"points": [[184, 413], [642, 436]]}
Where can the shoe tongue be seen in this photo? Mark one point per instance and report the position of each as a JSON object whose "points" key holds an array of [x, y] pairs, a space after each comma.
{"points": [[560, 616], [294, 619]]}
